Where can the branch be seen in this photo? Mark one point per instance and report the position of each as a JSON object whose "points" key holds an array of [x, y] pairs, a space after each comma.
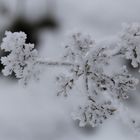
{"points": [[53, 63]]}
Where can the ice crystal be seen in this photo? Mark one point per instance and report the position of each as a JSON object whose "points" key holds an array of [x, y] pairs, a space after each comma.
{"points": [[21, 58], [130, 43]]}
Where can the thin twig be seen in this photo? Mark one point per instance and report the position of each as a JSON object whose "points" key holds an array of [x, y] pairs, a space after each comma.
{"points": [[53, 63]]}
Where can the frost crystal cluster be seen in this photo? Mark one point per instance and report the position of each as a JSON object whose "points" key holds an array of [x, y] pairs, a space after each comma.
{"points": [[21, 58], [130, 43], [93, 114], [101, 89], [87, 63]]}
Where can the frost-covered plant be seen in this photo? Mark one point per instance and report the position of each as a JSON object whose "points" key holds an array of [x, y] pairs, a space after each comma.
{"points": [[104, 91], [130, 43], [21, 59]]}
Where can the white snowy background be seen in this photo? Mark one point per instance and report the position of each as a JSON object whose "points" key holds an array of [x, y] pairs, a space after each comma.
{"points": [[35, 113]]}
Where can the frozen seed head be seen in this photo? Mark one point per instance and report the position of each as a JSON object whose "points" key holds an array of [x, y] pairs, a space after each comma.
{"points": [[21, 58]]}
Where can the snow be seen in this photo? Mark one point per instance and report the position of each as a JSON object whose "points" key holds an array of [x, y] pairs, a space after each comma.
{"points": [[32, 114]]}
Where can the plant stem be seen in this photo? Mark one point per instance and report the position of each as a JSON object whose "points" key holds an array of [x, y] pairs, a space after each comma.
{"points": [[53, 63]]}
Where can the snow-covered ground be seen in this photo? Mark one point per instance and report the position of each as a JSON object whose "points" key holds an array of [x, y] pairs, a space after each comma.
{"points": [[35, 113]]}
